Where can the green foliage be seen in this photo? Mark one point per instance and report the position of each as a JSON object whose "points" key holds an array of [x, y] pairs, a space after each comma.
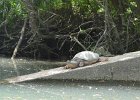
{"points": [[11, 8], [64, 17]]}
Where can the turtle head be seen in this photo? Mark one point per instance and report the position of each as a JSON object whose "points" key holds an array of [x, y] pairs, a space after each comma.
{"points": [[71, 64], [74, 64]]}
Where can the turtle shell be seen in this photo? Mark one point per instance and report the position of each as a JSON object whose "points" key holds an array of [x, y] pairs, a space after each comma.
{"points": [[87, 56]]}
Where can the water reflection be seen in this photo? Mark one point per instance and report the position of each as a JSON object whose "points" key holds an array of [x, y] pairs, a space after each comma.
{"points": [[15, 67], [68, 90], [11, 68]]}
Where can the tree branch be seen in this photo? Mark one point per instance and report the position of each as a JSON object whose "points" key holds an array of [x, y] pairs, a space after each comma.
{"points": [[20, 39]]}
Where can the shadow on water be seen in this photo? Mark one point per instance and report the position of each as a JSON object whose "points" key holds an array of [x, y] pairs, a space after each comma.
{"points": [[10, 68]]}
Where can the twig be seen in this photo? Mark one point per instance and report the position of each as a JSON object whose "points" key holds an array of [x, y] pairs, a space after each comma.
{"points": [[100, 39], [127, 35], [20, 39], [76, 40], [3, 23], [106, 23]]}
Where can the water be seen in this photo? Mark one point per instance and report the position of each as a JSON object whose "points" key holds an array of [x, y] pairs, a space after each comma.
{"points": [[59, 90], [9, 68], [68, 90]]}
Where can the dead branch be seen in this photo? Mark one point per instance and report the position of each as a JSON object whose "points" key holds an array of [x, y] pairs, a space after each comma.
{"points": [[106, 25], [77, 41], [20, 39], [4, 22], [32, 18]]}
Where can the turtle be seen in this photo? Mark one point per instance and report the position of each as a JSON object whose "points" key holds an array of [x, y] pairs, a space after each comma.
{"points": [[84, 58]]}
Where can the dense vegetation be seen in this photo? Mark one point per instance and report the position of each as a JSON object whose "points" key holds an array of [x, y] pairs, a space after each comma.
{"points": [[60, 28]]}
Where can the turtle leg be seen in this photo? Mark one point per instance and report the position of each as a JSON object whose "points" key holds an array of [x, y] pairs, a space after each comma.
{"points": [[81, 64], [89, 62]]}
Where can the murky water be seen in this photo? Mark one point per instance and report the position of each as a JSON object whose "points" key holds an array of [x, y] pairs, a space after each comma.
{"points": [[9, 68], [59, 90]]}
